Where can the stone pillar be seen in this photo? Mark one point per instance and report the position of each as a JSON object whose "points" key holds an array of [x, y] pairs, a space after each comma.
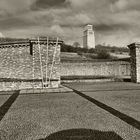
{"points": [[135, 62]]}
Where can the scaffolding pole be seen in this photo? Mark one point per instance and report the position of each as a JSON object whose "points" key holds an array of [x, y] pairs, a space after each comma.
{"points": [[53, 62], [47, 61], [33, 57], [41, 69]]}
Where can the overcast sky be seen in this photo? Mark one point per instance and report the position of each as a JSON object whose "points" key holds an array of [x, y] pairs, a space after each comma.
{"points": [[116, 22]]}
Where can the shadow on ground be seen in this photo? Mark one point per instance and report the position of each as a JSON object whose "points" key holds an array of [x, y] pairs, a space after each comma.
{"points": [[83, 134], [6, 106], [131, 121]]}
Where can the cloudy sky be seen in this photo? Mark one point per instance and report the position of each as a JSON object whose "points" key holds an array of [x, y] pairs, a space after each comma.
{"points": [[116, 22]]}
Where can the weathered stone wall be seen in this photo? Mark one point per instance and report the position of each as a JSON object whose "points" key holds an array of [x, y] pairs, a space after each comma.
{"points": [[96, 69], [138, 63], [135, 62], [17, 63]]}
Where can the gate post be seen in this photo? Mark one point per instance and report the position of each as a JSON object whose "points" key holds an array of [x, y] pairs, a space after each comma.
{"points": [[135, 62]]}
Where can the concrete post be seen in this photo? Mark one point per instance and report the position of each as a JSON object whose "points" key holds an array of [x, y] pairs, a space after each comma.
{"points": [[135, 62]]}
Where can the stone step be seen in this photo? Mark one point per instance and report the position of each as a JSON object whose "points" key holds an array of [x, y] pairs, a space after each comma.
{"points": [[61, 89]]}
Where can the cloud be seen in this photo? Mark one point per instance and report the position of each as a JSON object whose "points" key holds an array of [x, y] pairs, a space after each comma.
{"points": [[15, 23], [111, 27], [125, 5], [114, 21], [57, 30], [79, 4], [77, 20], [1, 35], [45, 4], [15, 6]]}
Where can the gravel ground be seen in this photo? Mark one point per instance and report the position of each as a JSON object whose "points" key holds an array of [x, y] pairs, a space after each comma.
{"points": [[32, 117]]}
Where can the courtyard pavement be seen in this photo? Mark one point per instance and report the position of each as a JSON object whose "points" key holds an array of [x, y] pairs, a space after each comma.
{"points": [[93, 111]]}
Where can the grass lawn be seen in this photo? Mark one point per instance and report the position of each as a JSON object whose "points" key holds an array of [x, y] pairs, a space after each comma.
{"points": [[122, 96], [41, 115]]}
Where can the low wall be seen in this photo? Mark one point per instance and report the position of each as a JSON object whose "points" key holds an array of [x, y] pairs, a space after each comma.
{"points": [[16, 63], [10, 86], [116, 68]]}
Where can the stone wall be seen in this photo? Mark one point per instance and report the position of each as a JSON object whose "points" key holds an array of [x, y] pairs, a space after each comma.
{"points": [[135, 62], [96, 69], [16, 64], [16, 68]]}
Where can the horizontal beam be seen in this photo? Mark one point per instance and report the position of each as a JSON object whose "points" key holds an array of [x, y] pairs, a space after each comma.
{"points": [[45, 40]]}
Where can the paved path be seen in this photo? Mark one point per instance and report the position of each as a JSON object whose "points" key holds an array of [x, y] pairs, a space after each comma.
{"points": [[37, 116]]}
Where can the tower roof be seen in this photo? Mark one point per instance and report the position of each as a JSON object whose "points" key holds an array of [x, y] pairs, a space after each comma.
{"points": [[88, 27]]}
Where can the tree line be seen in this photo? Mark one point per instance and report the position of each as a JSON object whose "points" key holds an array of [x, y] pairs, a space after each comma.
{"points": [[70, 48]]}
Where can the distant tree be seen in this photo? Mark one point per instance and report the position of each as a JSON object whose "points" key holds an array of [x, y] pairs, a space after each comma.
{"points": [[76, 44], [91, 50], [103, 54], [113, 51], [67, 48]]}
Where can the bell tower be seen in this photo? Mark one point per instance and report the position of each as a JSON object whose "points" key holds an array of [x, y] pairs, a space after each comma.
{"points": [[89, 38]]}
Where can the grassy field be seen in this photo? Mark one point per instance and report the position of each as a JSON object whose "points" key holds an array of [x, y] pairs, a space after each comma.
{"points": [[124, 98], [40, 116], [74, 57]]}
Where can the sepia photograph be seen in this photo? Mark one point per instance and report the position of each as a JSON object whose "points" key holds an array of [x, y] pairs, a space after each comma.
{"points": [[69, 70]]}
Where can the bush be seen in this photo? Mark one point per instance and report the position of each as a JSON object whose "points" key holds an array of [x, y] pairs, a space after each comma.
{"points": [[103, 54], [92, 50], [69, 48], [80, 53]]}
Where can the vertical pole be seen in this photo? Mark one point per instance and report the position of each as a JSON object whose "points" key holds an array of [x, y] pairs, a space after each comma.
{"points": [[53, 61], [33, 56], [41, 69], [47, 60], [31, 47]]}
